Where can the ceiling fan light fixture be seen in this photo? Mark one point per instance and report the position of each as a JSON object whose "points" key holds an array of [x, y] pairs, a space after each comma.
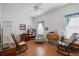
{"points": [[37, 6]]}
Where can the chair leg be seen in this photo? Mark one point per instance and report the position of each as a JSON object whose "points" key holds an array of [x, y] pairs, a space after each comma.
{"points": [[57, 50], [68, 53], [17, 51]]}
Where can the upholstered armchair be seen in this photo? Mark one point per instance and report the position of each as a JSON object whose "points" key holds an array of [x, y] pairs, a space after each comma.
{"points": [[67, 44], [40, 38]]}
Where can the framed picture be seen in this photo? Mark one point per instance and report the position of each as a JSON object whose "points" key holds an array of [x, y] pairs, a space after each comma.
{"points": [[22, 27]]}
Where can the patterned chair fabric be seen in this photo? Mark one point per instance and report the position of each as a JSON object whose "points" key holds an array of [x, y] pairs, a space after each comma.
{"points": [[40, 38]]}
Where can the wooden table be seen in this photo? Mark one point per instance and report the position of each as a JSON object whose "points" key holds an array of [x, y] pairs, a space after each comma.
{"points": [[52, 36]]}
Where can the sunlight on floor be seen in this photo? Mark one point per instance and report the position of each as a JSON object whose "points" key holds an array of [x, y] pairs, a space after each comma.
{"points": [[40, 51]]}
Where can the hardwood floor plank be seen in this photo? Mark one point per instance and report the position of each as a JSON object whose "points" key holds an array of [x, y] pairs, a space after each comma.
{"points": [[40, 49]]}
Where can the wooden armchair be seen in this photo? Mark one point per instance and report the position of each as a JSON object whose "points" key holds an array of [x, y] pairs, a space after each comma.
{"points": [[20, 46], [65, 45]]}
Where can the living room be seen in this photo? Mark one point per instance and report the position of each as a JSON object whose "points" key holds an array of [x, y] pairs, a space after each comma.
{"points": [[39, 27]]}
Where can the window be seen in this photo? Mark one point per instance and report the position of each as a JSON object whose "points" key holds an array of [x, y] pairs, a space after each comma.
{"points": [[72, 24], [40, 27]]}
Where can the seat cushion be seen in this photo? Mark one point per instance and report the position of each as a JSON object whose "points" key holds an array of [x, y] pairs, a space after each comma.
{"points": [[62, 43], [21, 43]]}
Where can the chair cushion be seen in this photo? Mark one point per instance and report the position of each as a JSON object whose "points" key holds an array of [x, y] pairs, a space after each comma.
{"points": [[40, 36], [21, 43], [62, 43]]}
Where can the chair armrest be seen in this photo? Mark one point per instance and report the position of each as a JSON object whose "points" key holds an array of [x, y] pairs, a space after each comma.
{"points": [[63, 43]]}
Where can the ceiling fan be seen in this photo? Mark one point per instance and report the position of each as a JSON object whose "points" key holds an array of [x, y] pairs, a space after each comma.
{"points": [[37, 6], [37, 9]]}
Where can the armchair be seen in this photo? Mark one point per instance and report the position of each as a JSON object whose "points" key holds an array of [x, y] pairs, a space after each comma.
{"points": [[40, 38], [19, 45], [67, 44]]}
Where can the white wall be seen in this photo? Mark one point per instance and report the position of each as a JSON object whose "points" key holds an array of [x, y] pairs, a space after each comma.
{"points": [[0, 12], [18, 15], [0, 26], [54, 19]]}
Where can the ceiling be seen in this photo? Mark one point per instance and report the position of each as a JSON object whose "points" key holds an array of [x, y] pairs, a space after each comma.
{"points": [[28, 8], [45, 7]]}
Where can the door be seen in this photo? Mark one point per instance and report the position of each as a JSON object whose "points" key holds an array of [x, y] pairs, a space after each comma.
{"points": [[7, 30]]}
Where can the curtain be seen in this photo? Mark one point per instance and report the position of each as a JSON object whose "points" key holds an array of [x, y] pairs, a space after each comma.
{"points": [[72, 24]]}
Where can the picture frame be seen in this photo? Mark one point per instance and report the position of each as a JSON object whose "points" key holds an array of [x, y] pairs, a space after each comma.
{"points": [[22, 27]]}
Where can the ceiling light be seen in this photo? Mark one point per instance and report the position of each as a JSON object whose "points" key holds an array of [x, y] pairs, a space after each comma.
{"points": [[37, 6]]}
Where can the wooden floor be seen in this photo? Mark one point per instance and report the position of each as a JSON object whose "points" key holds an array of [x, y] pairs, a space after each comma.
{"points": [[41, 49]]}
